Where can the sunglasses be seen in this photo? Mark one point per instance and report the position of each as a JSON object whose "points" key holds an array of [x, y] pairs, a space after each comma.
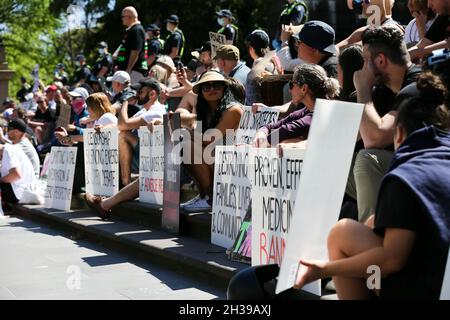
{"points": [[292, 83], [206, 87], [40, 101]]}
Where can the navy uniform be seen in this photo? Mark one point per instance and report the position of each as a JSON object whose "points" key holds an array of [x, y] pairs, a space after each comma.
{"points": [[229, 30]]}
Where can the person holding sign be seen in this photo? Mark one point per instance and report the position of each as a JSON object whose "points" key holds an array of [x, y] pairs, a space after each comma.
{"points": [[225, 20], [216, 109], [309, 83], [409, 245]]}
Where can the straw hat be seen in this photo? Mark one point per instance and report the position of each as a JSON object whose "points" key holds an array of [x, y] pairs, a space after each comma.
{"points": [[208, 76]]}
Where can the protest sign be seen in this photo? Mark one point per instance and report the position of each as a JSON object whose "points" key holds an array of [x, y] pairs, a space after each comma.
{"points": [[445, 291], [217, 40], [65, 112], [151, 165], [274, 188], [172, 167], [101, 161], [251, 122], [326, 165], [232, 193], [60, 173]]}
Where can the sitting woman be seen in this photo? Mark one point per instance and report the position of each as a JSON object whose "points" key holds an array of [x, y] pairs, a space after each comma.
{"points": [[411, 238], [100, 111], [217, 109], [309, 83]]}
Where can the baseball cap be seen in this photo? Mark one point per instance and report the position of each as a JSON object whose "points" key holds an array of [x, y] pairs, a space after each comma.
{"points": [[20, 125], [225, 13], [147, 82], [103, 44], [227, 52], [120, 76], [51, 88], [318, 35], [79, 93], [153, 27], [80, 57], [258, 39], [173, 18], [206, 46]]}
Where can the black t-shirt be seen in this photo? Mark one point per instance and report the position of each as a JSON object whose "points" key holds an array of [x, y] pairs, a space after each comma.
{"points": [[330, 63], [174, 40], [438, 30], [421, 278], [384, 98], [46, 116], [133, 39], [230, 33], [103, 61]]}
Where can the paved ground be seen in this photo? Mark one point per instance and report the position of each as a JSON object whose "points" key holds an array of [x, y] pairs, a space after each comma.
{"points": [[40, 263]]}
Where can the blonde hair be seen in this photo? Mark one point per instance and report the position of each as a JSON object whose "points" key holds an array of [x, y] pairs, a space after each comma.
{"points": [[99, 104], [159, 73]]}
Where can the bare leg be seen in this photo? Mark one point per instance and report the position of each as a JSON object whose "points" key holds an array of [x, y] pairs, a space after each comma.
{"points": [[201, 173], [126, 143], [130, 192], [349, 238]]}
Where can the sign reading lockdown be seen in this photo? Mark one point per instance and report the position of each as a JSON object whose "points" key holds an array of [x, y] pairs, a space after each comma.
{"points": [[61, 170], [326, 165], [217, 40], [232, 192], [101, 161], [251, 122], [274, 188], [151, 165]]}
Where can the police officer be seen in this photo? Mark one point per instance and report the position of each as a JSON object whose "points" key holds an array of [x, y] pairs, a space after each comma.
{"points": [[225, 19], [155, 44], [175, 41], [104, 65], [294, 12]]}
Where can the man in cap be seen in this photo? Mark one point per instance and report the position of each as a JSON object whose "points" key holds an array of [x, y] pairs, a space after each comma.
{"points": [[149, 91], [225, 20], [104, 64], [82, 71], [154, 43], [131, 56], [175, 41], [204, 57], [50, 93], [120, 84], [17, 130], [315, 45], [43, 120], [228, 61]]}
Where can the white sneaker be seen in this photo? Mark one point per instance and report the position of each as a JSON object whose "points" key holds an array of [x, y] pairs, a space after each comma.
{"points": [[190, 201], [199, 205]]}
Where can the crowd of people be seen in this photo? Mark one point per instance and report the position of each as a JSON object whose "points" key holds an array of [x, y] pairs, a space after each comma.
{"points": [[396, 210]]}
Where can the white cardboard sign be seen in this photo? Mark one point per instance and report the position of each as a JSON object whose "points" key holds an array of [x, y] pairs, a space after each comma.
{"points": [[324, 176], [274, 185], [217, 40], [151, 165], [101, 161], [60, 174], [232, 193], [250, 122]]}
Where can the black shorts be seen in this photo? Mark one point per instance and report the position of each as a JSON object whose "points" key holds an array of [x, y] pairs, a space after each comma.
{"points": [[8, 193]]}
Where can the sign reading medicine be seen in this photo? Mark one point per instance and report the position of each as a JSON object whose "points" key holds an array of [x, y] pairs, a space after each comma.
{"points": [[60, 174], [251, 122], [274, 188], [326, 165], [151, 166], [101, 161], [232, 193]]}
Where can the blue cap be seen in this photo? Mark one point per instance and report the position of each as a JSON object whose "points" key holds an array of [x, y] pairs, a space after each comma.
{"points": [[318, 35], [153, 27], [173, 19], [225, 13]]}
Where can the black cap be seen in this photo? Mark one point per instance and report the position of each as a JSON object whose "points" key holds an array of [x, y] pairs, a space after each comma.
{"points": [[153, 27], [173, 19], [20, 125], [318, 35], [258, 39], [147, 82], [80, 57], [103, 44], [206, 46], [225, 13]]}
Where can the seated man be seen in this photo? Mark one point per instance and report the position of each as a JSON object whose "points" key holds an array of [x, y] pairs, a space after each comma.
{"points": [[148, 93], [43, 121], [17, 173]]}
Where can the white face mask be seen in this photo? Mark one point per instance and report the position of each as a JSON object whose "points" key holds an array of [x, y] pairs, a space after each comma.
{"points": [[221, 22], [101, 51]]}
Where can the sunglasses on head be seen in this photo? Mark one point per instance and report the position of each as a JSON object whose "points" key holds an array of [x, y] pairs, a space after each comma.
{"points": [[206, 87]]}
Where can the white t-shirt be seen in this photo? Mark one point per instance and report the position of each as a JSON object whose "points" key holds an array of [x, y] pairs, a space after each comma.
{"points": [[14, 157], [106, 120], [412, 33], [157, 110]]}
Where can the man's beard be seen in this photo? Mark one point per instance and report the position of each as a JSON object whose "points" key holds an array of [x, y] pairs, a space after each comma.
{"points": [[143, 101]]}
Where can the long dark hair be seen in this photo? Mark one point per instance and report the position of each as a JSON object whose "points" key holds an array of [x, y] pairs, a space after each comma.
{"points": [[350, 60], [203, 110]]}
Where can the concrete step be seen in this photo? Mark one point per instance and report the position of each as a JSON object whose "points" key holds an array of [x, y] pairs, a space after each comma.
{"points": [[195, 258]]}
